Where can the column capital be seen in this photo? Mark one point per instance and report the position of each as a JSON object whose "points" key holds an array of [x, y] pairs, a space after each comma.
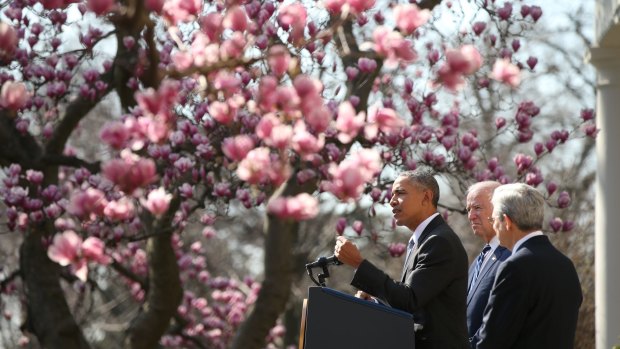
{"points": [[606, 60]]}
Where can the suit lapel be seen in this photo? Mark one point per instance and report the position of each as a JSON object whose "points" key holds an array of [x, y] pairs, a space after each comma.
{"points": [[437, 221], [495, 258], [483, 272]]}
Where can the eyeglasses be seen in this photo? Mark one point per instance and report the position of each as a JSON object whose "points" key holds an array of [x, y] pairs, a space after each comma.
{"points": [[492, 219]]}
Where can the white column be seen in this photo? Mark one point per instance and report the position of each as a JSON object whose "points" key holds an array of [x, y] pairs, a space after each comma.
{"points": [[607, 227]]}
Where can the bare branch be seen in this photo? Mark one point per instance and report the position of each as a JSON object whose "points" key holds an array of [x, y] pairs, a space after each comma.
{"points": [[70, 161], [3, 284]]}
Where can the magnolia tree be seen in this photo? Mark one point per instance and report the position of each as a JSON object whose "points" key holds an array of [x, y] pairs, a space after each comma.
{"points": [[230, 106]]}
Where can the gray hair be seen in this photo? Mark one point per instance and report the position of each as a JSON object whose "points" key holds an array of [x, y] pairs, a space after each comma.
{"points": [[489, 186], [425, 178], [522, 203]]}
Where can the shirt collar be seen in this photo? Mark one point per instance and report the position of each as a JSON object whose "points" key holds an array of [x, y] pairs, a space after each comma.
{"points": [[525, 238], [494, 243], [420, 228]]}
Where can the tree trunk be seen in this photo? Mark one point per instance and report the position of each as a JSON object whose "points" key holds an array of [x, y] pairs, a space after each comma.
{"points": [[49, 316], [164, 292], [279, 272], [164, 295]]}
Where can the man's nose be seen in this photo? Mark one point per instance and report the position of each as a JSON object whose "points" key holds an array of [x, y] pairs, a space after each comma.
{"points": [[470, 214], [393, 201]]}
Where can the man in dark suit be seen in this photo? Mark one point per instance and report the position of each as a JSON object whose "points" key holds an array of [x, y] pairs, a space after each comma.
{"points": [[536, 296], [482, 270], [433, 283]]}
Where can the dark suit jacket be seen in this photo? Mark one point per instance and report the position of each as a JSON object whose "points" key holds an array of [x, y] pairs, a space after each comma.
{"points": [[433, 287], [478, 297], [534, 302]]}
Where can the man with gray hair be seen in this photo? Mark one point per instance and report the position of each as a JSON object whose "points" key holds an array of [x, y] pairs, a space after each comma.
{"points": [[482, 271], [536, 295]]}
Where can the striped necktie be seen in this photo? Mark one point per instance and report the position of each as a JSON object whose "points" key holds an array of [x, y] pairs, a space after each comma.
{"points": [[478, 265]]}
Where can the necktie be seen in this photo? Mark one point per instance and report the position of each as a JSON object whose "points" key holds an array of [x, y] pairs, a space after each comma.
{"points": [[478, 265], [409, 250]]}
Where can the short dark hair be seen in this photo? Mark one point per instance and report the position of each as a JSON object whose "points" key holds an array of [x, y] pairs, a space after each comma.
{"points": [[424, 177]]}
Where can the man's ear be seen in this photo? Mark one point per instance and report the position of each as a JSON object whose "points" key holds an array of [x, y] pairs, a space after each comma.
{"points": [[509, 222], [428, 196]]}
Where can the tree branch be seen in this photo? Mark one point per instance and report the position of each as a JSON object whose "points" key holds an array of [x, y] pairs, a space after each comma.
{"points": [[16, 273], [15, 147], [75, 112], [428, 4], [70, 161]]}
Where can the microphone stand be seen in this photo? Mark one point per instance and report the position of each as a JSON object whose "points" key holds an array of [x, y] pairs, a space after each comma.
{"points": [[322, 262]]}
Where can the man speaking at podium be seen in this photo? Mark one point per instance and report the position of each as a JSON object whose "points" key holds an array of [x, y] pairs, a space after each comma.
{"points": [[433, 284]]}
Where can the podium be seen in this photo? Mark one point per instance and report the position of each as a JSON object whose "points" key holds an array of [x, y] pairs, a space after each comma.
{"points": [[335, 320]]}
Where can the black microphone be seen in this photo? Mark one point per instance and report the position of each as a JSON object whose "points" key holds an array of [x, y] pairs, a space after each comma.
{"points": [[324, 261]]}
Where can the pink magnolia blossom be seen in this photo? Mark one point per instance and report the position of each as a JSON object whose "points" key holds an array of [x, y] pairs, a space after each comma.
{"points": [[350, 176], [115, 134], [280, 137], [119, 210], [211, 25], [279, 59], [181, 10], [87, 204], [305, 143], [8, 41], [202, 52], [293, 16], [301, 207], [556, 224], [254, 169], [265, 125], [234, 47], [68, 249], [384, 120], [347, 123], [506, 72], [316, 115], [359, 6], [409, 17], [353, 6], [222, 112], [335, 6], [157, 202], [13, 95], [130, 172], [236, 148], [141, 129], [155, 5], [54, 4], [230, 85], [564, 200], [523, 162], [341, 225], [464, 61], [65, 248], [393, 46], [397, 249], [267, 93], [101, 7], [157, 105], [260, 167], [236, 19], [93, 249]]}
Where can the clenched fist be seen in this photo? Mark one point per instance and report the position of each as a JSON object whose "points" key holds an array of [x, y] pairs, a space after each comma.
{"points": [[347, 252]]}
